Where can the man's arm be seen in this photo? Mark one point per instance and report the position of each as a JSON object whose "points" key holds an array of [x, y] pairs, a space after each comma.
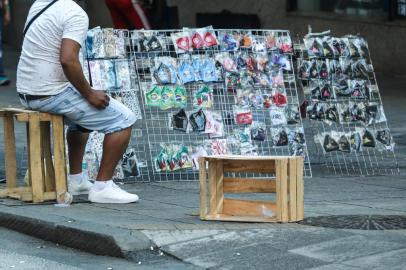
{"points": [[7, 15], [69, 58]]}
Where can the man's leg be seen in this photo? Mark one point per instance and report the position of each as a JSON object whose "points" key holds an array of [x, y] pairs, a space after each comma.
{"points": [[104, 189], [78, 182], [76, 149], [114, 146]]}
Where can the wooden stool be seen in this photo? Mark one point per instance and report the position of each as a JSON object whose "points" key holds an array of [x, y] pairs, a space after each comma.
{"points": [[287, 184], [47, 177]]}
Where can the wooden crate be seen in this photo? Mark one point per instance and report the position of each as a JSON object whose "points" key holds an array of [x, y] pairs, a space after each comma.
{"points": [[287, 183], [47, 175]]}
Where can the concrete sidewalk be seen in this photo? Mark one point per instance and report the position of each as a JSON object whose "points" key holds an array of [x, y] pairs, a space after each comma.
{"points": [[166, 219], [165, 223]]}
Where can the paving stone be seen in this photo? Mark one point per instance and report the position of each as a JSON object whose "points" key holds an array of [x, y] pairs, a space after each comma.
{"points": [[392, 260], [344, 249]]}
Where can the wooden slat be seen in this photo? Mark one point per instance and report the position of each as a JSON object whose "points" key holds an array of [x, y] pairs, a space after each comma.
{"points": [[239, 157], [212, 187], [28, 197], [5, 192], [278, 191], [249, 185], [203, 187], [219, 186], [300, 190], [49, 174], [249, 166], [10, 152], [58, 134], [283, 178], [245, 219], [27, 126], [35, 159], [24, 117], [292, 189], [18, 110], [249, 208]]}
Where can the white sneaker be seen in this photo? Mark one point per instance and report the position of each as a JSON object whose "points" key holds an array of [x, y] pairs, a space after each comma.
{"points": [[111, 193], [76, 188]]}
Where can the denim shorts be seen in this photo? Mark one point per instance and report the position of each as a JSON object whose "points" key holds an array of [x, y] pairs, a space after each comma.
{"points": [[80, 115]]}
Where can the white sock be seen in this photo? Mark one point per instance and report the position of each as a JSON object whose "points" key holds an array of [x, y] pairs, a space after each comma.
{"points": [[100, 185], [76, 178]]}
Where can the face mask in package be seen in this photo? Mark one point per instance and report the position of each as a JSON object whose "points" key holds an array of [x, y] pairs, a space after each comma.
{"points": [[198, 121], [96, 74], [129, 163], [186, 71], [148, 41], [279, 137], [165, 70], [258, 131], [214, 124], [203, 98], [167, 98], [182, 42], [109, 42], [179, 121], [153, 97], [278, 117], [200, 151], [296, 135], [228, 42], [109, 75], [180, 97], [384, 138], [292, 114], [94, 43], [173, 158], [243, 116], [227, 61], [203, 38], [123, 75]]}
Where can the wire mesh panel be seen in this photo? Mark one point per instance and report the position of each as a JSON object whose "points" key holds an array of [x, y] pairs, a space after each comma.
{"points": [[345, 109], [109, 67], [207, 92]]}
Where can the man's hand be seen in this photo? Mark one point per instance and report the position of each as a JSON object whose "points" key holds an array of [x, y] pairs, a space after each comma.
{"points": [[98, 99]]}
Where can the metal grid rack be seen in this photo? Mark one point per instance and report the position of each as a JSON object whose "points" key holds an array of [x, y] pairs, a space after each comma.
{"points": [[347, 158], [156, 119], [115, 73]]}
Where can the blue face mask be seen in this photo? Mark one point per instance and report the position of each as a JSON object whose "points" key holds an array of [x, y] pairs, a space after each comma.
{"points": [[208, 71], [186, 72]]}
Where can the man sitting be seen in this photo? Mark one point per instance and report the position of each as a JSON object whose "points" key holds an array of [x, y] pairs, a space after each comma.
{"points": [[50, 79]]}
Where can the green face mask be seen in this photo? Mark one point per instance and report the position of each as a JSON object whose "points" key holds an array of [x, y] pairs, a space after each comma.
{"points": [[153, 97]]}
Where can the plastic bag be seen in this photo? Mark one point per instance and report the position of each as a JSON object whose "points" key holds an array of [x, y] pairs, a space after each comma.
{"points": [[203, 98], [153, 97], [279, 137], [228, 42], [292, 115], [198, 121], [186, 72], [243, 116], [179, 121], [182, 42], [165, 70], [258, 131], [167, 98], [180, 97], [278, 117], [129, 163]]}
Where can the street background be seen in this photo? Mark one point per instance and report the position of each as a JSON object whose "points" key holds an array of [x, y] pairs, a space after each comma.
{"points": [[163, 230]]}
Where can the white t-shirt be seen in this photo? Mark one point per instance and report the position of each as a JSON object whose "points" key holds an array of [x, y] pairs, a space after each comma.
{"points": [[39, 70]]}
